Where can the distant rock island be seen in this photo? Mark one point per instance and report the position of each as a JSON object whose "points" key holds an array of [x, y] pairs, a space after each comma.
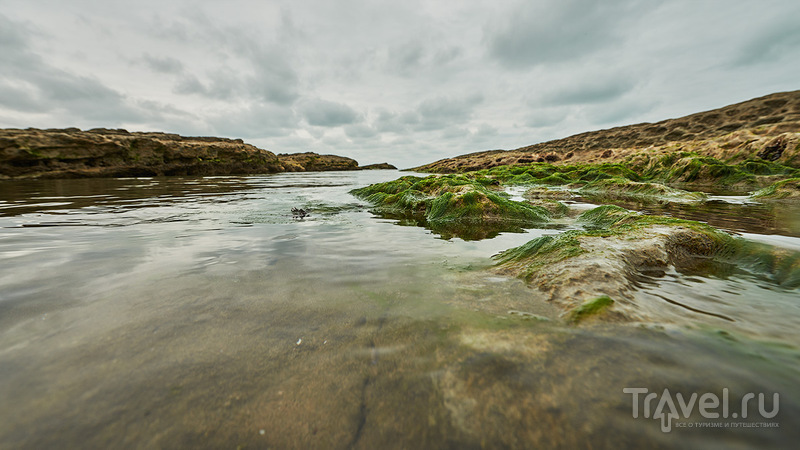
{"points": [[765, 128], [102, 152]]}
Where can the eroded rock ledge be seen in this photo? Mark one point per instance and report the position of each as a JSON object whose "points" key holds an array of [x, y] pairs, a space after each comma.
{"points": [[101, 152]]}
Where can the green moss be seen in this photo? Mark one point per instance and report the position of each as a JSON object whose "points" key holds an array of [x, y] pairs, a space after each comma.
{"points": [[541, 251], [789, 188], [590, 308], [691, 168], [604, 217], [556, 208], [622, 188]]}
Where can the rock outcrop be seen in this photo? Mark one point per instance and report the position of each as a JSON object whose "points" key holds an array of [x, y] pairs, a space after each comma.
{"points": [[766, 128], [313, 162], [101, 152], [378, 166], [72, 153]]}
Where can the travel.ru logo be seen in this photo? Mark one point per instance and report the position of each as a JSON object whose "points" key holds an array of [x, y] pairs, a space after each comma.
{"points": [[666, 408]]}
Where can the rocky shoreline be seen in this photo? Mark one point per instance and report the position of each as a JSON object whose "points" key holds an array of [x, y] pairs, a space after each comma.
{"points": [[593, 270], [101, 152]]}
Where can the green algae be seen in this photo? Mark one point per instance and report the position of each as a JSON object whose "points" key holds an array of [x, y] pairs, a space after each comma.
{"points": [[453, 205], [556, 208], [622, 188], [556, 175], [699, 247], [679, 168], [590, 308], [540, 252], [694, 169], [785, 189]]}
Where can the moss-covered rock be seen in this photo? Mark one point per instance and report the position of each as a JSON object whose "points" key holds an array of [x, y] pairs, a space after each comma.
{"points": [[617, 247], [691, 169], [654, 174], [782, 190], [624, 189], [453, 205], [591, 308], [556, 208], [558, 175]]}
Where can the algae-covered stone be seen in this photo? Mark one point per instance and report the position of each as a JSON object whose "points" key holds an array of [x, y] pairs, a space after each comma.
{"points": [[556, 208], [591, 308], [622, 188], [782, 190], [453, 205], [618, 248]]}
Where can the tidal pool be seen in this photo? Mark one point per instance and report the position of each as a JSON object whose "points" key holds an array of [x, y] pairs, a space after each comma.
{"points": [[198, 312]]}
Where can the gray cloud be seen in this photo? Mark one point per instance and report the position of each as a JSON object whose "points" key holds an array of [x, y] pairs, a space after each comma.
{"points": [[255, 120], [324, 113], [406, 58], [535, 33], [401, 123], [780, 40], [29, 84], [421, 79], [440, 112], [593, 89], [360, 131], [165, 64], [269, 75], [546, 117]]}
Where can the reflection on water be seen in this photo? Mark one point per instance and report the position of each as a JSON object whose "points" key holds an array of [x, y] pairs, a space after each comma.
{"points": [[197, 312]]}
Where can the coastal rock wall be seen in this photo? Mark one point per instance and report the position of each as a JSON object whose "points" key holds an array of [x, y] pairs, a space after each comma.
{"points": [[102, 152], [72, 153]]}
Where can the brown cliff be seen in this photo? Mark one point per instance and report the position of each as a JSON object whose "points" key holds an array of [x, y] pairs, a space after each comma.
{"points": [[101, 152]]}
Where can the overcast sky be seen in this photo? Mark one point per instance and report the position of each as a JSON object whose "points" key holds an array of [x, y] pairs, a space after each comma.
{"points": [[405, 82]]}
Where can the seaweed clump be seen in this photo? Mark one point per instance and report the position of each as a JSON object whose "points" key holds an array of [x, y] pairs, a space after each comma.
{"points": [[590, 308], [453, 205], [624, 189]]}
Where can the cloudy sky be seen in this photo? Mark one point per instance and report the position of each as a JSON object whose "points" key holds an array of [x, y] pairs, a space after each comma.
{"points": [[405, 82]]}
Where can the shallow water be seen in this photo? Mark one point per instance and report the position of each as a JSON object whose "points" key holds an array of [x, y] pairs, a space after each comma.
{"points": [[197, 312]]}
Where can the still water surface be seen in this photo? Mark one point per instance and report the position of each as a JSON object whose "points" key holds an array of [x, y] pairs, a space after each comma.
{"points": [[197, 312]]}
